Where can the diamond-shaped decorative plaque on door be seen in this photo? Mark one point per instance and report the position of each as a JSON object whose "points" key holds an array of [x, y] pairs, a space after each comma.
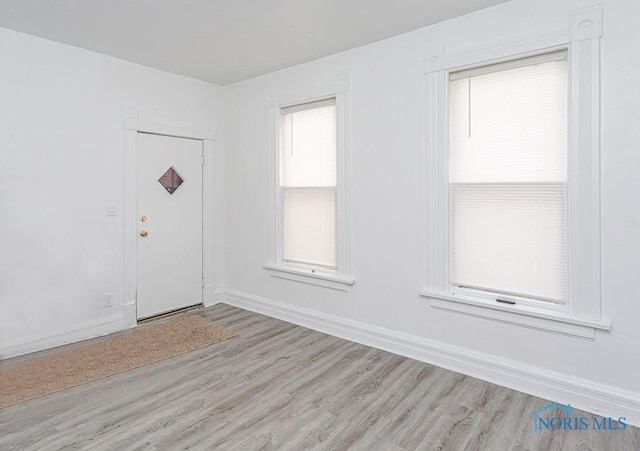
{"points": [[170, 180]]}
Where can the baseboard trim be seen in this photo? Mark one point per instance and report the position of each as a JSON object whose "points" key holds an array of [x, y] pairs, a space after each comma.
{"points": [[581, 393], [211, 294], [87, 331]]}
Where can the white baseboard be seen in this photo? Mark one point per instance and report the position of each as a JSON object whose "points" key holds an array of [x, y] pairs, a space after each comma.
{"points": [[90, 329], [210, 294], [583, 394]]}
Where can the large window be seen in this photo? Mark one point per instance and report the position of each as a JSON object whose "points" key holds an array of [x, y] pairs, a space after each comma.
{"points": [[507, 179], [309, 233], [308, 184], [513, 179]]}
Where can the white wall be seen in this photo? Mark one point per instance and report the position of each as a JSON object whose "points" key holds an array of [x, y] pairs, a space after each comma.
{"points": [[61, 154], [388, 202]]}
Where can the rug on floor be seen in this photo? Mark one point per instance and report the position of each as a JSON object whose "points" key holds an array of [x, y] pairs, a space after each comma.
{"points": [[38, 376]]}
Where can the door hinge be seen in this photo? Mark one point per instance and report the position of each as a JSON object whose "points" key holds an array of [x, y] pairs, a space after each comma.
{"points": [[203, 160], [203, 282]]}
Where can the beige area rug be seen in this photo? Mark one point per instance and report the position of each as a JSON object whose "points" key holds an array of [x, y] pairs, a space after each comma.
{"points": [[81, 364]]}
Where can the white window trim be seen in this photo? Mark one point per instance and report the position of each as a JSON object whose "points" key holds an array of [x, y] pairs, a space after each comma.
{"points": [[582, 314], [340, 278]]}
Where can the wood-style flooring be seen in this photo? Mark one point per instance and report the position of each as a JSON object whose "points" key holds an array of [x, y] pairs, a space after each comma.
{"points": [[278, 386]]}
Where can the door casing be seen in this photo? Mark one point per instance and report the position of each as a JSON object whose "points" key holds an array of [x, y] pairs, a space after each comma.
{"points": [[133, 124]]}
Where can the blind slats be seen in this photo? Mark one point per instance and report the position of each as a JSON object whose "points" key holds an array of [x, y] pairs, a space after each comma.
{"points": [[308, 147], [308, 183], [308, 225], [507, 174]]}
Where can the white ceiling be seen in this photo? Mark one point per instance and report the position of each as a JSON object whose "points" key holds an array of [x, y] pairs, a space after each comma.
{"points": [[225, 41]]}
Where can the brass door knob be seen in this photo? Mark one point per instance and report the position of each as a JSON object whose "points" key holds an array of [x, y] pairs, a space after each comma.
{"points": [[144, 233]]}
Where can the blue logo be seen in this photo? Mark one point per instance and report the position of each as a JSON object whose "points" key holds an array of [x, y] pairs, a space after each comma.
{"points": [[555, 417]]}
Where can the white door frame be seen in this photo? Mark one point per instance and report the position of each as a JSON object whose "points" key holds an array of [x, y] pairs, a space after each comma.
{"points": [[132, 125]]}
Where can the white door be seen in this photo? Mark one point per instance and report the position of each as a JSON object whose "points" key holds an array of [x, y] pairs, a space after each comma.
{"points": [[169, 224]]}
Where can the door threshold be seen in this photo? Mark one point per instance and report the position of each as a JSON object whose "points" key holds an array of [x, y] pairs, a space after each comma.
{"points": [[170, 313]]}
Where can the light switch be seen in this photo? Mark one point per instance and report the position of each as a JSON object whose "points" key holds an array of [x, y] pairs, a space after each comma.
{"points": [[112, 210]]}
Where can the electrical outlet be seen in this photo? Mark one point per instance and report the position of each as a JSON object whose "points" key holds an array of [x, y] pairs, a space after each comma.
{"points": [[108, 299]]}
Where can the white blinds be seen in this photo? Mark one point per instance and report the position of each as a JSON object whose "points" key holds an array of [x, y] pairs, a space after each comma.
{"points": [[308, 225], [308, 183], [308, 145], [507, 173]]}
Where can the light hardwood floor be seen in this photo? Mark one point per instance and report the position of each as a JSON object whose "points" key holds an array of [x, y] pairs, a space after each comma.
{"points": [[277, 386]]}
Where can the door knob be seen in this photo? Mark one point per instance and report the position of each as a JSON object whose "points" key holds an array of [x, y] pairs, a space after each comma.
{"points": [[144, 233]]}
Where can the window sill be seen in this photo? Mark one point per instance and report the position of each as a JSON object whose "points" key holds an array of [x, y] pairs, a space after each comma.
{"points": [[310, 278], [534, 318]]}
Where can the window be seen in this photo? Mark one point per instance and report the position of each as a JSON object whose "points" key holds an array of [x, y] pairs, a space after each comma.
{"points": [[310, 228], [513, 187], [507, 179], [308, 184]]}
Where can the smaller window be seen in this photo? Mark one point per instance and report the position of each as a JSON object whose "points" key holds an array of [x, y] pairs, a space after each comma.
{"points": [[307, 184], [309, 203]]}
